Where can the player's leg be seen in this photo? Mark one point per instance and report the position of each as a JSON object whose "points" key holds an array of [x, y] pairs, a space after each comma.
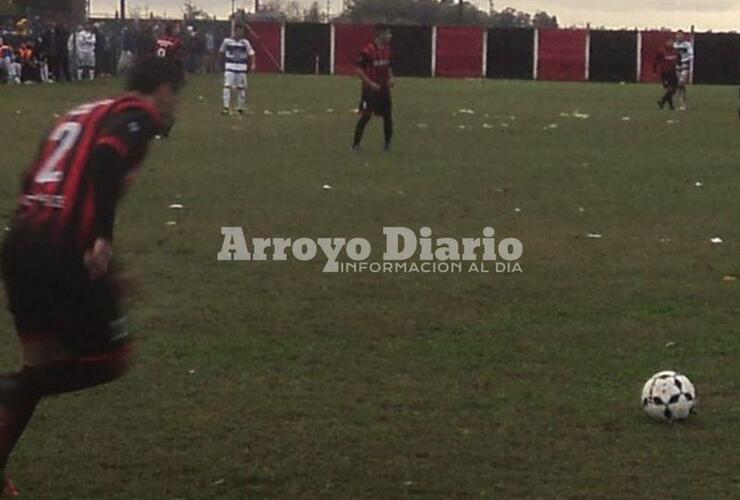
{"points": [[242, 93], [670, 84], [680, 89], [69, 328], [228, 81], [366, 113], [55, 373], [387, 114], [365, 117]]}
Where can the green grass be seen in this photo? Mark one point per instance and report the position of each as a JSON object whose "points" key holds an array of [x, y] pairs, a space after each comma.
{"points": [[349, 386]]}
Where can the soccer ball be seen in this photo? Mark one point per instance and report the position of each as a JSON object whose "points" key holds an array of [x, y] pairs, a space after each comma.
{"points": [[668, 396]]}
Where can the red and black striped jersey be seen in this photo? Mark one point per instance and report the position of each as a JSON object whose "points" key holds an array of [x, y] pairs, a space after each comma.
{"points": [[666, 61], [375, 61], [168, 46], [70, 192]]}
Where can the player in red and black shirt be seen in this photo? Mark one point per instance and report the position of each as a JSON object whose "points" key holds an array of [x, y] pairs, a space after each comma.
{"points": [[666, 65], [374, 69], [169, 45], [56, 258]]}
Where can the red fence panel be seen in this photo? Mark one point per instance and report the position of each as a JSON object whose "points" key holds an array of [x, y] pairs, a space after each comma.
{"points": [[266, 39], [561, 55], [459, 52], [652, 42], [350, 39]]}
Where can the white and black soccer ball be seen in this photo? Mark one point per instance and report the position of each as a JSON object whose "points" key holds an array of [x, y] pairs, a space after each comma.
{"points": [[668, 396]]}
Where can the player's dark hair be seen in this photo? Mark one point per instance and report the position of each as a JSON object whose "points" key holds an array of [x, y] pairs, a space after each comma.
{"points": [[239, 26], [381, 28], [149, 73], [169, 30]]}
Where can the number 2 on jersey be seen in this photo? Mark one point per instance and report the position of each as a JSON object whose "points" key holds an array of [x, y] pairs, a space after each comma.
{"points": [[66, 135]]}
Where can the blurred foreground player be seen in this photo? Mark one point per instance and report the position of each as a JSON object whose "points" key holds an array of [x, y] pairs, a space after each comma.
{"points": [[374, 69], [666, 64], [56, 257]]}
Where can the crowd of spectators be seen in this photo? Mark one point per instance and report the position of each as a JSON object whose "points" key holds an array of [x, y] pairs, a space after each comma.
{"points": [[52, 51]]}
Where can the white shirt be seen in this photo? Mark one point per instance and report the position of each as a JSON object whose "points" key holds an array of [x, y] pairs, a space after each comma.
{"points": [[83, 41], [685, 53], [237, 54]]}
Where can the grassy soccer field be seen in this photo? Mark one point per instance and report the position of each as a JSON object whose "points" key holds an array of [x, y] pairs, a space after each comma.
{"points": [[275, 380]]}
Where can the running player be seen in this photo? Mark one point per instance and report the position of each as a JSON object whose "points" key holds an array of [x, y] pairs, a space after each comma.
{"points": [[56, 258]]}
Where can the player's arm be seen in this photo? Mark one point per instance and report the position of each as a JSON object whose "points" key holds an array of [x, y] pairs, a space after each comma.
{"points": [[222, 54], [108, 169], [363, 63], [251, 57], [657, 62], [110, 165]]}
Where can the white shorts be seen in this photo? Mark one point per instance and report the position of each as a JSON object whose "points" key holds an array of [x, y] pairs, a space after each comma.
{"points": [[235, 80], [86, 59], [684, 75]]}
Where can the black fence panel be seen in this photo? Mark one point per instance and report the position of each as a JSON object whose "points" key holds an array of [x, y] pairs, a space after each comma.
{"points": [[510, 53], [717, 58], [412, 50], [613, 56], [307, 48]]}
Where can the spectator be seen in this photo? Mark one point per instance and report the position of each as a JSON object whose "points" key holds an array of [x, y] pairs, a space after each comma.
{"points": [[60, 68], [128, 49]]}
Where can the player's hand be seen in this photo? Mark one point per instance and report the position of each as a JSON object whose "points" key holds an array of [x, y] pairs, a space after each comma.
{"points": [[374, 87], [98, 258]]}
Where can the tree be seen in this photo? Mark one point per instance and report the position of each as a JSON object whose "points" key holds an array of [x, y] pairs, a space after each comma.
{"points": [[278, 10], [313, 14], [544, 20], [425, 12], [192, 12], [511, 18]]}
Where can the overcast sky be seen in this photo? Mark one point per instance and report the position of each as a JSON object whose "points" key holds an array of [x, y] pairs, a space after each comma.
{"points": [[705, 14]]}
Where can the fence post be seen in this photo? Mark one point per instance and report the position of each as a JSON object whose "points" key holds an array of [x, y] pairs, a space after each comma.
{"points": [[332, 48], [282, 48], [588, 54], [434, 51], [536, 56], [639, 57], [485, 53]]}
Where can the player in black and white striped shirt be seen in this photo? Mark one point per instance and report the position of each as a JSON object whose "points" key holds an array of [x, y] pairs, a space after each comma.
{"points": [[685, 50], [238, 57]]}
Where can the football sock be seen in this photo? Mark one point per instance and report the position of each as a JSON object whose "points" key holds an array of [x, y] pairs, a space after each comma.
{"points": [[360, 129], [80, 73], [91, 74], [227, 97], [242, 98], [388, 130]]}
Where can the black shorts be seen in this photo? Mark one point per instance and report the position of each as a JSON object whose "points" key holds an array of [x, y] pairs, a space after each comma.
{"points": [[378, 103], [670, 79], [51, 294]]}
